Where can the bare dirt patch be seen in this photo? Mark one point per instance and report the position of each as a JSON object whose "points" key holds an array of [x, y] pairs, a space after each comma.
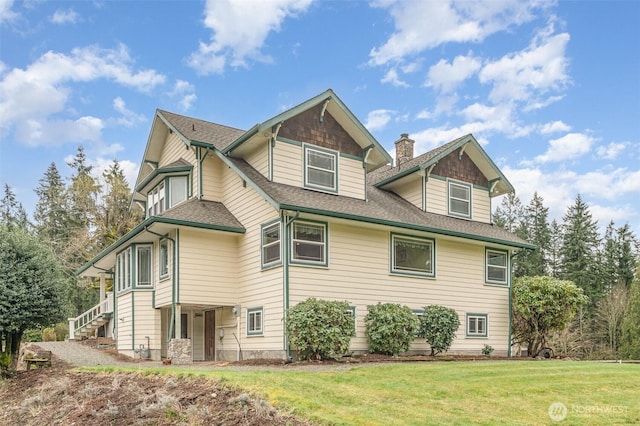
{"points": [[62, 396]]}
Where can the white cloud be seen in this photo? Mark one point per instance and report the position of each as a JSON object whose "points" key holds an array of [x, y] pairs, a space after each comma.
{"points": [[554, 127], [445, 76], [378, 119], [64, 17], [240, 29], [529, 75], [6, 14], [40, 132], [611, 151], [185, 92], [128, 118], [393, 78], [29, 96], [448, 21], [569, 146]]}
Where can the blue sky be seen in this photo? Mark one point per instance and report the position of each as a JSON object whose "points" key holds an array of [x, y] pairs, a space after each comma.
{"points": [[551, 89]]}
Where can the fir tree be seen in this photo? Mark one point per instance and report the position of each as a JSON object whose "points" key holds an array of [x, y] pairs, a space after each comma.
{"points": [[630, 340], [51, 211], [554, 258], [12, 213], [579, 250], [510, 213], [535, 229]]}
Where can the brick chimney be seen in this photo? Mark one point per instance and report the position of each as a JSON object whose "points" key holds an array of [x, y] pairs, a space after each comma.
{"points": [[404, 149]]}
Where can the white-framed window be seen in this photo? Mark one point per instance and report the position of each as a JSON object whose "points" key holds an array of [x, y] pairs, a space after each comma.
{"points": [[133, 267], [412, 255], [477, 325], [156, 200], [321, 169], [497, 266], [163, 258], [177, 190], [308, 243], [459, 199], [270, 244], [255, 321], [143, 266]]}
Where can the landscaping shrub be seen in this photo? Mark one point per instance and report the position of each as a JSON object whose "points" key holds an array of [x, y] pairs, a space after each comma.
{"points": [[438, 326], [320, 329], [48, 334], [390, 328], [32, 335], [62, 331]]}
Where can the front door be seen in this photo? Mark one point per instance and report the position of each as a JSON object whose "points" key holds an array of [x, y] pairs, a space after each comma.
{"points": [[210, 335]]}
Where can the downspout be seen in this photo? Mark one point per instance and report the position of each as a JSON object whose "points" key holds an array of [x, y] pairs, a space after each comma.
{"points": [[285, 272], [173, 279], [200, 159]]}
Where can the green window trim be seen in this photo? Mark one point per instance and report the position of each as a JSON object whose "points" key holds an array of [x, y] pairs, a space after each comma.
{"points": [[270, 244], [163, 259], [477, 325], [255, 321], [459, 199], [406, 257], [129, 268], [496, 271], [168, 193], [309, 243], [320, 164]]}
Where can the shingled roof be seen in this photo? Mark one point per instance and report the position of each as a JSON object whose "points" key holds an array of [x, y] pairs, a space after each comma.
{"points": [[203, 212], [198, 130], [381, 207]]}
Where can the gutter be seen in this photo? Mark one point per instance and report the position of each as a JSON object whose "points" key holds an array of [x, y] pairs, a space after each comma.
{"points": [[173, 279]]}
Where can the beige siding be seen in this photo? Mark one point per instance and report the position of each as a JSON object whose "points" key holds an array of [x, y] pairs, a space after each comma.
{"points": [[351, 178], [133, 332], [208, 268], [359, 273], [287, 164], [437, 196], [256, 287], [164, 287], [259, 159], [412, 192], [212, 177], [174, 149], [481, 205]]}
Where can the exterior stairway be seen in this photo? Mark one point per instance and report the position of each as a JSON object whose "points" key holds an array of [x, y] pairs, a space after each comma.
{"points": [[85, 324]]}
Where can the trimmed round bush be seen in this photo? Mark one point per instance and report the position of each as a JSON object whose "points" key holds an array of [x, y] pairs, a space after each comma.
{"points": [[438, 326], [320, 329], [390, 328]]}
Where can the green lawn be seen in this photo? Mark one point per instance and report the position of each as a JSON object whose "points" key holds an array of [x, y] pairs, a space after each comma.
{"points": [[500, 392]]}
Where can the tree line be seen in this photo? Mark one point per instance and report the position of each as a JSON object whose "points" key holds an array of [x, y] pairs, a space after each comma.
{"points": [[603, 266], [74, 219]]}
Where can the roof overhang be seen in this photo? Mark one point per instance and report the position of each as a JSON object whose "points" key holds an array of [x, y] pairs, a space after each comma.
{"points": [[145, 232]]}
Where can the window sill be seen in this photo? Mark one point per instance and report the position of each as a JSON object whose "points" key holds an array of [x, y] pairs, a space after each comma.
{"points": [[490, 284], [413, 275]]}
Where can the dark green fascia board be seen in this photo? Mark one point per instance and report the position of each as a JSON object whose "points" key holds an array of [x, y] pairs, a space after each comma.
{"points": [[247, 179], [166, 122], [461, 142], [145, 224], [242, 139], [162, 170], [404, 225], [326, 95]]}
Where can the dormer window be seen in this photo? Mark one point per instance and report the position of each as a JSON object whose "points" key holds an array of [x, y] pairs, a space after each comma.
{"points": [[168, 193], [321, 169]]}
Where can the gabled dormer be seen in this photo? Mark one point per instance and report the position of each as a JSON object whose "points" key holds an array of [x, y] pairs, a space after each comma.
{"points": [[318, 145], [457, 179]]}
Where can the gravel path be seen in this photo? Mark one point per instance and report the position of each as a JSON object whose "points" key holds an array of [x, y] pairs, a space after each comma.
{"points": [[80, 355]]}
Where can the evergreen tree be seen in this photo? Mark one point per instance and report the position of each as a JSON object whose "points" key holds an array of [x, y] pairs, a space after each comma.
{"points": [[12, 213], [51, 211], [628, 251], [114, 217], [554, 257], [579, 250], [630, 340], [535, 229], [510, 213], [83, 191]]}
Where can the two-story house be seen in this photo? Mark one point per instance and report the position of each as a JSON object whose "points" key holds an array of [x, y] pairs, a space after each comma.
{"points": [[241, 225]]}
